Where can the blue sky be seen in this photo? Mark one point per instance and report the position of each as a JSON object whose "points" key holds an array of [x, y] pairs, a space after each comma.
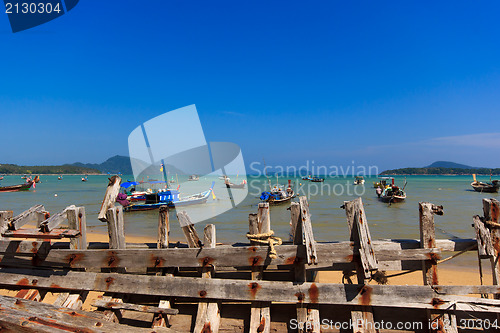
{"points": [[386, 83]]}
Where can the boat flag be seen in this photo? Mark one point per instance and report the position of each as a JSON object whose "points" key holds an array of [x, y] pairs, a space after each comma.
{"points": [[213, 195]]}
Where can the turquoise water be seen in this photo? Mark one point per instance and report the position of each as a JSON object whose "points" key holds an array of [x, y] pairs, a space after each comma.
{"points": [[396, 221]]}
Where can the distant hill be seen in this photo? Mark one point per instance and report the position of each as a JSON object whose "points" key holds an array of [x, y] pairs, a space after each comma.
{"points": [[115, 164], [443, 168], [445, 164], [121, 164], [46, 169]]}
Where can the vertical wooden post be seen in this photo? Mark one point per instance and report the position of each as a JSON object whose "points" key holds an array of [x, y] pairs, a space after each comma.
{"points": [[109, 197], [439, 322], [116, 228], [260, 314], [307, 314], [5, 215], [365, 261], [188, 229], [162, 320], [163, 227], [208, 316], [491, 211], [77, 220]]}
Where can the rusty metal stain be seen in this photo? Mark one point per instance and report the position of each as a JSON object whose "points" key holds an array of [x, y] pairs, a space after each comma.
{"points": [[495, 214], [157, 261], [112, 260], [202, 293], [262, 325], [300, 297], [350, 258], [74, 258], [437, 302], [34, 248], [34, 282], [253, 288], [292, 261], [360, 217], [313, 293], [23, 282], [252, 249], [109, 280], [22, 293], [55, 286], [255, 261], [57, 325], [206, 261], [434, 275], [366, 295], [206, 328]]}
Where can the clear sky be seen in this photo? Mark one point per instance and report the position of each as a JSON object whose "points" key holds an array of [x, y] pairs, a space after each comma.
{"points": [[387, 83]]}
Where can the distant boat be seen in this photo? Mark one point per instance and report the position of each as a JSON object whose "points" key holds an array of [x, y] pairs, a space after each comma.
{"points": [[59, 178], [382, 183], [278, 194], [84, 179], [317, 180], [17, 188], [231, 185], [194, 178], [359, 180], [1, 178], [169, 198], [224, 177], [491, 187], [24, 177], [392, 193]]}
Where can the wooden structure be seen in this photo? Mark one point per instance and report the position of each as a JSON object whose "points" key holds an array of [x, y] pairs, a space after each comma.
{"points": [[266, 285]]}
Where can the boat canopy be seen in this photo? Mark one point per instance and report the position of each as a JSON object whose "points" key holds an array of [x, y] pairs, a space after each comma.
{"points": [[128, 184]]}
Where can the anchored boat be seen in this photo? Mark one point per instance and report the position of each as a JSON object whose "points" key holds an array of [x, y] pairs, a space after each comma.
{"points": [[391, 193], [359, 180], [278, 194], [491, 187]]}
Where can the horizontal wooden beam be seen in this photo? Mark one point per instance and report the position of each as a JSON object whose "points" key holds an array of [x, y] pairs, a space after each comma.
{"points": [[100, 303], [35, 233], [222, 256], [29, 215], [424, 297], [18, 315]]}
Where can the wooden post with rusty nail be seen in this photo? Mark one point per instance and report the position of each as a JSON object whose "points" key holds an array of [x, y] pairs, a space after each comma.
{"points": [[77, 220], [491, 213], [208, 315], [307, 314], [439, 322], [260, 312], [159, 319], [365, 261]]}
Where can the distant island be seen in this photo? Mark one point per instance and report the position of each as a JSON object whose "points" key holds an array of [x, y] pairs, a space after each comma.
{"points": [[443, 168], [7, 169]]}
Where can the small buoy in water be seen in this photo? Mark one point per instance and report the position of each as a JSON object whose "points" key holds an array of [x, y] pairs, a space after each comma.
{"points": [[300, 184], [55, 195]]}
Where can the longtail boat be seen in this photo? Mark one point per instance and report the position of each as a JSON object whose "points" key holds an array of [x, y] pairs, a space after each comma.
{"points": [[17, 188]]}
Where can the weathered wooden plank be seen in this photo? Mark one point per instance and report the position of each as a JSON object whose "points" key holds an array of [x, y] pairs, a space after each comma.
{"points": [[360, 235], [116, 229], [428, 239], [483, 238], [429, 267], [109, 197], [25, 217], [441, 297], [35, 233], [163, 227], [208, 315], [5, 216], [260, 312], [307, 232], [70, 300], [307, 314], [29, 316], [188, 229], [365, 263], [53, 221], [223, 256], [491, 211], [77, 220], [133, 307]]}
